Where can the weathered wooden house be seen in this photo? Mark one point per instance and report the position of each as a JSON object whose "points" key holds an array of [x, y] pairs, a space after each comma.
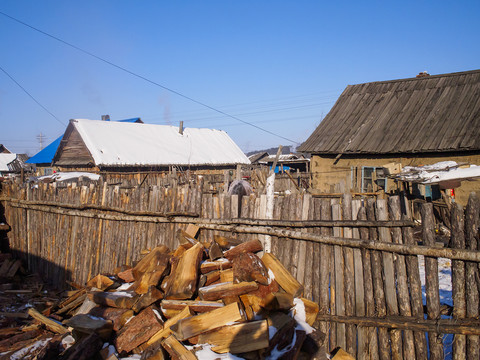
{"points": [[414, 121], [11, 163], [118, 147]]}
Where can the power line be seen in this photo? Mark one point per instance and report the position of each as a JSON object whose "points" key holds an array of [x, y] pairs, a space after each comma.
{"points": [[26, 92], [148, 80]]}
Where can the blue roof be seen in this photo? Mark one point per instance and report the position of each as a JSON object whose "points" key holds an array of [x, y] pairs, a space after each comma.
{"points": [[46, 155]]}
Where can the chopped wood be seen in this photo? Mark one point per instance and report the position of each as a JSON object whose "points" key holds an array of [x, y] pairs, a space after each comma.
{"points": [[184, 280], [185, 239], [117, 316], [199, 306], [151, 261], [7, 344], [145, 300], [282, 275], [50, 324], [13, 269], [126, 275], [251, 246], [18, 315], [226, 242], [221, 290], [192, 230], [209, 278], [196, 325], [226, 275], [154, 352], [84, 349], [72, 296], [121, 299], [72, 305], [277, 301], [220, 264], [84, 324], [253, 301], [177, 350], [214, 251], [249, 267], [100, 282], [340, 354], [138, 330], [166, 331], [237, 338], [311, 311]]}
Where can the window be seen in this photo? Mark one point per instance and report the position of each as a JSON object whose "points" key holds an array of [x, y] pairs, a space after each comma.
{"points": [[373, 179]]}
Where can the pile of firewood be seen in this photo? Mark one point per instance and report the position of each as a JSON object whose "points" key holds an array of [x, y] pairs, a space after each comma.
{"points": [[200, 301]]}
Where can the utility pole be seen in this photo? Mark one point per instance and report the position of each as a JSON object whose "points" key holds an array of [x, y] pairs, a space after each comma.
{"points": [[41, 138]]}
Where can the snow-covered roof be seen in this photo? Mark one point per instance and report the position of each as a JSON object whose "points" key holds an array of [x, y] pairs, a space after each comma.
{"points": [[131, 144], [6, 159], [439, 172]]}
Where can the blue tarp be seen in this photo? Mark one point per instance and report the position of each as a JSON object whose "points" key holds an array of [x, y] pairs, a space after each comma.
{"points": [[46, 155]]}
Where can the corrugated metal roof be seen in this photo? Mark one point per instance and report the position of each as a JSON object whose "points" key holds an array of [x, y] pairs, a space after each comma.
{"points": [[438, 113], [127, 144], [6, 159]]}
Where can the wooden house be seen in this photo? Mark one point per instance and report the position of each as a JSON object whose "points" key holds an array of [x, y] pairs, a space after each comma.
{"points": [[42, 161], [116, 147], [4, 150], [408, 122]]}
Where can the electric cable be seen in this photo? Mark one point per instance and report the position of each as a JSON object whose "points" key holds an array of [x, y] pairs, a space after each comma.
{"points": [[148, 80], [26, 92]]}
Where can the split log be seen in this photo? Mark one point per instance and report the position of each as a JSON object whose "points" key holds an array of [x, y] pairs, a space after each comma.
{"points": [[311, 311], [283, 277], [147, 299], [237, 338], [249, 267], [214, 251], [154, 352], [120, 299], [226, 275], [84, 324], [222, 290], [151, 261], [127, 275], [72, 305], [192, 230], [185, 239], [277, 301], [166, 331], [138, 330], [8, 344], [50, 324], [183, 281], [84, 349], [177, 350], [194, 305], [209, 278], [100, 282], [226, 242], [251, 246], [220, 264], [196, 325], [117, 316]]}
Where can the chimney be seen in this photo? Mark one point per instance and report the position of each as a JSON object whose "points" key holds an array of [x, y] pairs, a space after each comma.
{"points": [[105, 117], [423, 74], [180, 128]]}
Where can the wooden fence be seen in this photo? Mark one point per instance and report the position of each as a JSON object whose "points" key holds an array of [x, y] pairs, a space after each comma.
{"points": [[358, 259]]}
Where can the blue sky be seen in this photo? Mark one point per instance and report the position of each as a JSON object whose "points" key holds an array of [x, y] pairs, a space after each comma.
{"points": [[277, 64]]}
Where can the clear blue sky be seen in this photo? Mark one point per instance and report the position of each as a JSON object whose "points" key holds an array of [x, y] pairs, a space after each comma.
{"points": [[277, 64]]}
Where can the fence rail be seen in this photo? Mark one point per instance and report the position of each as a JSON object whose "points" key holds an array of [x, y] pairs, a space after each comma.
{"points": [[358, 259]]}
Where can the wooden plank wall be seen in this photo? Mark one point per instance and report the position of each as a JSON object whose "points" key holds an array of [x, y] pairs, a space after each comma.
{"points": [[371, 302]]}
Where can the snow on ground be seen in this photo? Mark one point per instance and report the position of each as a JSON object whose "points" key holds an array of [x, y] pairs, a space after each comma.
{"points": [[445, 287]]}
